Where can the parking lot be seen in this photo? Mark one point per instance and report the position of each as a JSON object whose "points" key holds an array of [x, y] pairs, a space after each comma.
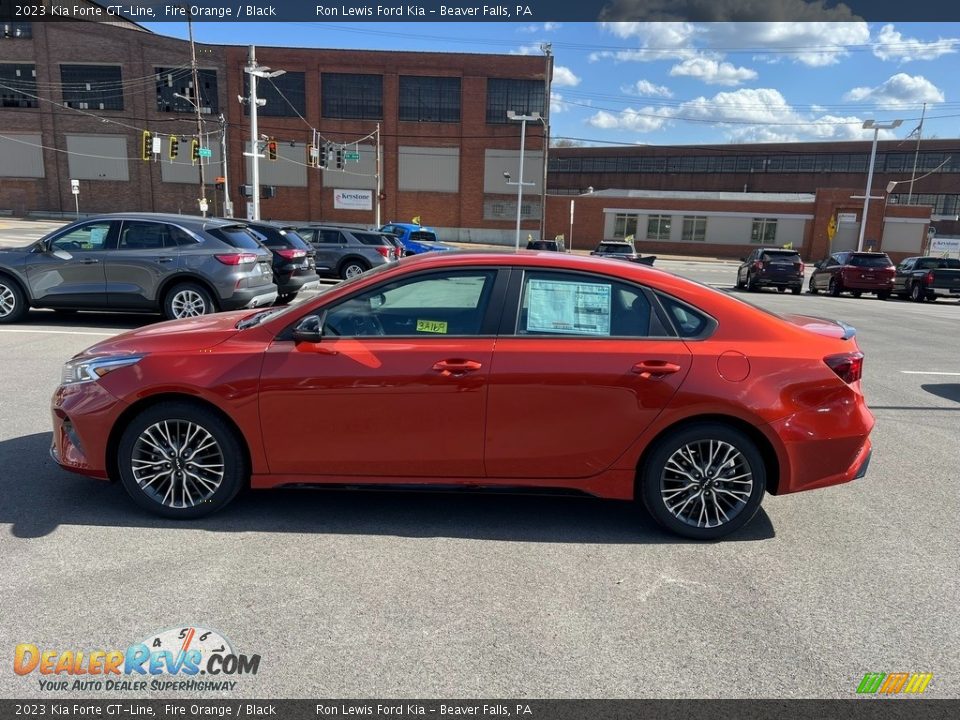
{"points": [[370, 594]]}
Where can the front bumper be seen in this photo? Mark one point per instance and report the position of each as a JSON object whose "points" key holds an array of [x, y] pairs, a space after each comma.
{"points": [[83, 416]]}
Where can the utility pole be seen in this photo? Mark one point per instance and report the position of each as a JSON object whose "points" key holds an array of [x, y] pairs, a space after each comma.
{"points": [[256, 71], [196, 105], [227, 204], [916, 154], [548, 52], [378, 173], [524, 119]]}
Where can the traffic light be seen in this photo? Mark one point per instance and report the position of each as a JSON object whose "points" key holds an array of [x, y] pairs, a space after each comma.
{"points": [[272, 150], [147, 149], [195, 150], [339, 158], [312, 155], [174, 149], [322, 157]]}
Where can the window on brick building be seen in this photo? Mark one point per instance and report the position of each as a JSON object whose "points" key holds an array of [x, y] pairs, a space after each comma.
{"points": [[763, 231], [524, 97], [286, 95], [694, 228], [624, 224], [172, 82], [429, 99], [351, 97], [658, 227], [15, 30], [18, 85], [92, 87]]}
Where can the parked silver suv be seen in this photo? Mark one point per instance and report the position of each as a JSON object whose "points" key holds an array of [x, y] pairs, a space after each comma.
{"points": [[179, 265], [346, 252]]}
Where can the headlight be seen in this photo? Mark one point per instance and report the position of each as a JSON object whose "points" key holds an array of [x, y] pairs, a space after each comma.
{"points": [[88, 369]]}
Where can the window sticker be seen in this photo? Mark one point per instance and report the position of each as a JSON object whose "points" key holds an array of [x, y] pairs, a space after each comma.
{"points": [[570, 308], [432, 326]]}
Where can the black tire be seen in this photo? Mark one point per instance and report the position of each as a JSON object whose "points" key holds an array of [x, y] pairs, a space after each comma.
{"points": [[835, 288], [176, 414], [903, 295], [655, 481], [883, 295], [751, 284], [917, 293], [781, 289], [797, 290], [13, 303], [187, 300], [856, 293], [352, 268], [286, 298], [812, 288]]}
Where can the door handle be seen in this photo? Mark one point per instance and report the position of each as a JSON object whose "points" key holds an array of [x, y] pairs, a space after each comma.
{"points": [[89, 261], [164, 259], [655, 368], [456, 366]]}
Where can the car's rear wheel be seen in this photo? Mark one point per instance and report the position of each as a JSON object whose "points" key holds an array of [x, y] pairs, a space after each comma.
{"points": [[187, 300], [286, 298], [917, 293], [181, 461], [835, 288], [797, 290], [856, 293], [352, 268], [883, 295], [13, 303], [752, 283], [703, 481], [781, 289]]}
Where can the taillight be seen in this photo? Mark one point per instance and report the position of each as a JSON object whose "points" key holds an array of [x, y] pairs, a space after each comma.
{"points": [[385, 251], [758, 265], [928, 278], [847, 366], [237, 258], [292, 254], [799, 267]]}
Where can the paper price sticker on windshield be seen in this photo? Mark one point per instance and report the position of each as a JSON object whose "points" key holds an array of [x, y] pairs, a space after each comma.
{"points": [[432, 326]]}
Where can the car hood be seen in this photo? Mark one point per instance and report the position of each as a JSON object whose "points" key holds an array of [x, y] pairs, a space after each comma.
{"points": [[174, 336], [821, 326]]}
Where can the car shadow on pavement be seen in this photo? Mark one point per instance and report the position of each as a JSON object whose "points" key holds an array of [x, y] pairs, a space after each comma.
{"points": [[38, 497], [80, 320], [947, 391]]}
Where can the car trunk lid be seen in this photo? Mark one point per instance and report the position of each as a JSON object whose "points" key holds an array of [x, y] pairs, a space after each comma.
{"points": [[821, 326]]}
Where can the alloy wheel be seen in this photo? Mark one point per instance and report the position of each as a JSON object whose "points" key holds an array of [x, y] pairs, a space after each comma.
{"points": [[188, 303], [352, 270], [706, 483], [8, 301], [177, 463]]}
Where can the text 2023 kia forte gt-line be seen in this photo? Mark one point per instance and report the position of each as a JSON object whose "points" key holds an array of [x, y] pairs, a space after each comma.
{"points": [[530, 370]]}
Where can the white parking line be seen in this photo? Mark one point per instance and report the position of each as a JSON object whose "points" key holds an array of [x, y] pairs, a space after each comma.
{"points": [[928, 372], [58, 332]]}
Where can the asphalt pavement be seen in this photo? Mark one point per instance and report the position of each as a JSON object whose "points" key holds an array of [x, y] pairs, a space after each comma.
{"points": [[369, 594]]}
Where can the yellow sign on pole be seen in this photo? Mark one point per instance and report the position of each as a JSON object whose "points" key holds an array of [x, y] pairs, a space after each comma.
{"points": [[832, 228]]}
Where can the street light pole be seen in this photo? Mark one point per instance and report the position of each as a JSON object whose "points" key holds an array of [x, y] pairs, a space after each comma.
{"points": [[876, 127], [256, 71], [196, 106], [511, 115]]}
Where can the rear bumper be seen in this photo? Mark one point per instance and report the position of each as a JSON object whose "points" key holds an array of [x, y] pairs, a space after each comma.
{"points": [[775, 281], [867, 285], [297, 281], [250, 298]]}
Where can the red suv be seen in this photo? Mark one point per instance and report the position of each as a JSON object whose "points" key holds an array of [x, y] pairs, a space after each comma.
{"points": [[854, 272]]}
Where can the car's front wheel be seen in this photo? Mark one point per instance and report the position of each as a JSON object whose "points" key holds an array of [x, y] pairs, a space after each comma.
{"points": [[187, 300], [835, 288], [181, 460], [917, 293], [352, 268], [703, 481], [13, 303]]}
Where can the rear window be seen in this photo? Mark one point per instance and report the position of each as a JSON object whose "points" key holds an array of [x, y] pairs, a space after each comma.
{"points": [[614, 248], [875, 261], [781, 256], [938, 263], [423, 236], [236, 236], [371, 238]]}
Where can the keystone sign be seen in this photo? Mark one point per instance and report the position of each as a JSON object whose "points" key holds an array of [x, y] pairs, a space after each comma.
{"points": [[353, 199]]}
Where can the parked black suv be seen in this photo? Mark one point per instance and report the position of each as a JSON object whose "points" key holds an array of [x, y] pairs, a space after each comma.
{"points": [[179, 265], [771, 267], [294, 267]]}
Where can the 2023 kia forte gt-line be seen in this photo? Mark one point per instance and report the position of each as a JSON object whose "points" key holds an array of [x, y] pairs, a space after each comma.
{"points": [[522, 370]]}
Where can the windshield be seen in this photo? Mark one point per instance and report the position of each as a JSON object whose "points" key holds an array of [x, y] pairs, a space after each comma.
{"points": [[781, 256], [873, 261]]}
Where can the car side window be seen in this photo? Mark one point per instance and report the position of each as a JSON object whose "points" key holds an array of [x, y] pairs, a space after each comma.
{"points": [[330, 237], [588, 306], [442, 304], [92, 236], [143, 235], [689, 322]]}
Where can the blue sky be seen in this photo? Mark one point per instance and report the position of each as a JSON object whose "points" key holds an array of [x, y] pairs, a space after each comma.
{"points": [[689, 83]]}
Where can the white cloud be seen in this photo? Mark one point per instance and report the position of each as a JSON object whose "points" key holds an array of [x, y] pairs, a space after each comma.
{"points": [[713, 72], [564, 77], [814, 44], [557, 103], [645, 88], [535, 28], [527, 50], [551, 26], [897, 91], [744, 115], [891, 45]]}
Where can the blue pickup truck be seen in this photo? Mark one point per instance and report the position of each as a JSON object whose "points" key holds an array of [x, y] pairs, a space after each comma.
{"points": [[415, 238]]}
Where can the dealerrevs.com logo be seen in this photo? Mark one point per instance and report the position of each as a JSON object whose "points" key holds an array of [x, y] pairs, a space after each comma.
{"points": [[184, 658]]}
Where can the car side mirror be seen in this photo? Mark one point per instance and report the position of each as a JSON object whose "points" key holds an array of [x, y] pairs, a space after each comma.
{"points": [[309, 330], [40, 247]]}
